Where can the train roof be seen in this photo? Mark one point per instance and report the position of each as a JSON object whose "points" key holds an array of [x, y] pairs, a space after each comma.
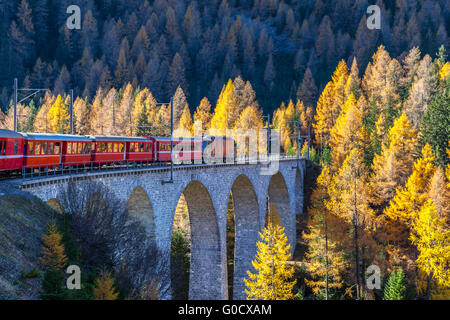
{"points": [[9, 134], [53, 136], [119, 138]]}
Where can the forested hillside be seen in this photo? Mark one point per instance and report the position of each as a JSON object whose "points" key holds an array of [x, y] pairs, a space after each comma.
{"points": [[286, 49]]}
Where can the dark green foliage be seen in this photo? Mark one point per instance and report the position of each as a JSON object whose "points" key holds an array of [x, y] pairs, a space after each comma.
{"points": [[435, 128], [396, 286], [32, 274], [179, 265], [52, 285]]}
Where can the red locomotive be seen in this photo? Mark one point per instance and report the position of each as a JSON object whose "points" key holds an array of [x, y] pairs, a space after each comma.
{"points": [[43, 151]]}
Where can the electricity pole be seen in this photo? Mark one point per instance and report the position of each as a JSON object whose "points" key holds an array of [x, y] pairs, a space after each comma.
{"points": [[16, 92]]}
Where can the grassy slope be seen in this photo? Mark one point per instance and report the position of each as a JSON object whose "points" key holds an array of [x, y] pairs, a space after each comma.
{"points": [[23, 220]]}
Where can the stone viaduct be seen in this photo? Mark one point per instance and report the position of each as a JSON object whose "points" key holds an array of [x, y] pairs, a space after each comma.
{"points": [[206, 189]]}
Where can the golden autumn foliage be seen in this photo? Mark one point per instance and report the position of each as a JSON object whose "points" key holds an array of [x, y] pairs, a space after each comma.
{"points": [[345, 134], [431, 236], [408, 200], [392, 167], [53, 250], [203, 115], [58, 116], [226, 111], [324, 257], [445, 71], [272, 280], [104, 287], [185, 124]]}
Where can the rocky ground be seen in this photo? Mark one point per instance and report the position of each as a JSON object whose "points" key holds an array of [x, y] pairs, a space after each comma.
{"points": [[23, 219]]}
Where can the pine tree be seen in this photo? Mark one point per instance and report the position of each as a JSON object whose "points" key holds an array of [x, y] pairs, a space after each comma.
{"points": [[435, 127], [272, 280], [395, 287], [104, 287]]}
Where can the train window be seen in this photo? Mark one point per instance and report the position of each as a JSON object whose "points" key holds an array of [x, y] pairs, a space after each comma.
{"points": [[57, 148], [165, 147], [110, 147], [141, 147], [85, 149], [37, 148], [120, 147], [132, 147], [2, 147], [16, 146], [146, 147], [115, 148], [50, 147], [104, 147], [44, 148], [99, 147]]}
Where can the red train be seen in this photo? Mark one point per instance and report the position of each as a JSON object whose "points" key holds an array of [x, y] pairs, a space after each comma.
{"points": [[19, 151]]}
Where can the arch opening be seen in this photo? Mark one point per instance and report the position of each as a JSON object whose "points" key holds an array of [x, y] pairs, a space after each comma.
{"points": [[245, 211], [278, 195], [204, 251], [140, 209]]}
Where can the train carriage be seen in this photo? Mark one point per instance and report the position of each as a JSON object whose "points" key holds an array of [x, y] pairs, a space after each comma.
{"points": [[53, 150], [140, 149], [108, 149], [189, 150], [11, 150]]}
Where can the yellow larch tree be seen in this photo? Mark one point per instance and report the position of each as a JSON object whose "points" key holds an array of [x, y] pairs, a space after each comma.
{"points": [[53, 249], [203, 115], [393, 166], [272, 280], [97, 122], [408, 200], [324, 117], [59, 117], [23, 114], [144, 97], [349, 200], [185, 123], [324, 261], [81, 116], [339, 79], [104, 287], [345, 134], [431, 235], [41, 123], [445, 71], [226, 111], [249, 119], [123, 116]]}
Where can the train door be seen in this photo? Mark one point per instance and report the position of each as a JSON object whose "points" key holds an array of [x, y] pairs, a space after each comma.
{"points": [[2, 154]]}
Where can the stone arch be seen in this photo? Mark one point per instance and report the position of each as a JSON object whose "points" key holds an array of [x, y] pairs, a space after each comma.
{"points": [[298, 189], [246, 215], [139, 208], [278, 195], [56, 205], [205, 266]]}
